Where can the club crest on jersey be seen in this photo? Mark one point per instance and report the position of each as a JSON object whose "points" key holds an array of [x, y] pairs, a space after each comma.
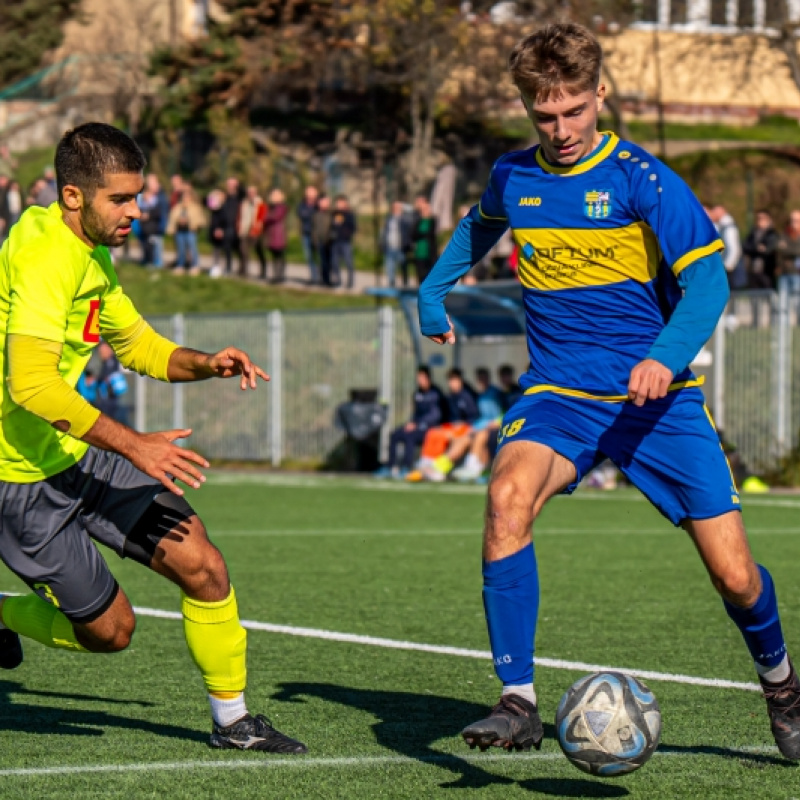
{"points": [[597, 205], [91, 329]]}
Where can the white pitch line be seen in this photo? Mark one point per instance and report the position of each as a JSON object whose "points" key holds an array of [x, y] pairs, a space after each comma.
{"points": [[300, 762], [483, 655]]}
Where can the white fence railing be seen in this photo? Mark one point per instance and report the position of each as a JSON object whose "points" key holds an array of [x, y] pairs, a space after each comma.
{"points": [[316, 358]]}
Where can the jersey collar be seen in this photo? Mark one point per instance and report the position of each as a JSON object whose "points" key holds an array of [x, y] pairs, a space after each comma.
{"points": [[592, 160]]}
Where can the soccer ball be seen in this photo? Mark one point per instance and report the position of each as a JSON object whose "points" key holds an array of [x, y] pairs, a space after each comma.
{"points": [[608, 724]]}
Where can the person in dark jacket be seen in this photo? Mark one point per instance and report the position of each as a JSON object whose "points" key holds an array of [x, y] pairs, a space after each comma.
{"points": [[428, 406], [216, 229], [305, 213], [343, 229], [321, 237], [760, 248], [424, 245], [229, 229]]}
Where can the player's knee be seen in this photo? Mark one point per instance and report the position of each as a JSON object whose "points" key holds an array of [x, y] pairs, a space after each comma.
{"points": [[509, 509], [107, 638], [739, 585], [204, 573]]}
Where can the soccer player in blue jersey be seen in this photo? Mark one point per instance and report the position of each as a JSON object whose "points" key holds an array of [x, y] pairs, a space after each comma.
{"points": [[623, 282]]}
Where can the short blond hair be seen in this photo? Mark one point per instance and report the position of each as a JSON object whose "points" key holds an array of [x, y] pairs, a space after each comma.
{"points": [[561, 56]]}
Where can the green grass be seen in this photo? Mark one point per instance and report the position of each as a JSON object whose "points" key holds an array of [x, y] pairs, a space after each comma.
{"points": [[619, 587], [161, 292]]}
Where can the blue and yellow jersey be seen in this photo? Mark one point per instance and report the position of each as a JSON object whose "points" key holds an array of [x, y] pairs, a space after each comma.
{"points": [[600, 246]]}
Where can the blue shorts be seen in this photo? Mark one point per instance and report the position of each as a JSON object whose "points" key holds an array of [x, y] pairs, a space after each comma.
{"points": [[669, 448]]}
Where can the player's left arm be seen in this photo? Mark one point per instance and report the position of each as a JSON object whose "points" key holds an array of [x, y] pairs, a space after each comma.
{"points": [[691, 247], [705, 287], [192, 365]]}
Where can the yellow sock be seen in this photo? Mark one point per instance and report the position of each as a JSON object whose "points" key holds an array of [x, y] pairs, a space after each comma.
{"points": [[37, 619], [443, 464], [217, 643]]}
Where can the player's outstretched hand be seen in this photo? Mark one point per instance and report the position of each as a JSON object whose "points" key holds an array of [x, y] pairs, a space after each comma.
{"points": [[448, 337], [231, 361], [158, 456], [650, 380]]}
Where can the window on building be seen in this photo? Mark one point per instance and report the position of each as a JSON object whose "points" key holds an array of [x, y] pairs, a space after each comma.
{"points": [[648, 10], [746, 16], [774, 12], [719, 12], [677, 12]]}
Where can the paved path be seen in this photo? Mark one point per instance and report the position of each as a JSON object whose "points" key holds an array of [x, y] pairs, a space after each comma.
{"points": [[297, 275]]}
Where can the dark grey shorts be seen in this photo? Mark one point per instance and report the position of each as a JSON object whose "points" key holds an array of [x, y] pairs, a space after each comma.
{"points": [[46, 529]]}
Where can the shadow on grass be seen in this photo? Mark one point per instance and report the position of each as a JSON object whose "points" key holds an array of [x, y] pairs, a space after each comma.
{"points": [[410, 723], [744, 756], [20, 717]]}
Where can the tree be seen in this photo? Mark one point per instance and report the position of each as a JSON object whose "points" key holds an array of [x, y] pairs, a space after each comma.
{"points": [[257, 47], [28, 30]]}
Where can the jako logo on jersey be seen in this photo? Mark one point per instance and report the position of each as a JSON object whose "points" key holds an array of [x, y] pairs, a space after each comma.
{"points": [[597, 205], [530, 201], [91, 330]]}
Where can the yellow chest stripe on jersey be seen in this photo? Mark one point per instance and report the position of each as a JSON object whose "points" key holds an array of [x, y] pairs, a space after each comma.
{"points": [[574, 258]]}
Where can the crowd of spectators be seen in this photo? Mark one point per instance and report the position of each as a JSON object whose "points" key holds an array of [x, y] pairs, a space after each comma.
{"points": [[239, 224], [453, 433], [766, 258]]}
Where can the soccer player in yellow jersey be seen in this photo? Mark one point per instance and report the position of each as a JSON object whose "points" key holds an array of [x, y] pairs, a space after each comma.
{"points": [[70, 475]]}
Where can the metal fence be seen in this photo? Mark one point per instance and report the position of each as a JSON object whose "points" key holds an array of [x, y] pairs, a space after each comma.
{"points": [[754, 386], [315, 359]]}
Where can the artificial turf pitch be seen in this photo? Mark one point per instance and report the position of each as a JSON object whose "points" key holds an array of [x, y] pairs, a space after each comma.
{"points": [[620, 587]]}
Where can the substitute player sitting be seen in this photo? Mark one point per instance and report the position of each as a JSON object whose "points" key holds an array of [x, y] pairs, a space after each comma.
{"points": [[622, 283], [69, 474]]}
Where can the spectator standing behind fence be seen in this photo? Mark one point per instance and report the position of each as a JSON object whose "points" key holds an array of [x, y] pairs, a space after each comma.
{"points": [[429, 404], [275, 233], [186, 218], [343, 229], [177, 185], [396, 242], [250, 229], [423, 239], [154, 205], [14, 200], [321, 233], [230, 218], [216, 225], [305, 213], [732, 254], [789, 254], [760, 247]]}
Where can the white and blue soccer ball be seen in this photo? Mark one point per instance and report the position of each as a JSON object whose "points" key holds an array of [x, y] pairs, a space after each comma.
{"points": [[608, 724]]}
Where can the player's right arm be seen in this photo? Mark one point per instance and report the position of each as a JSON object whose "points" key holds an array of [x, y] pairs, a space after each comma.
{"points": [[472, 239]]}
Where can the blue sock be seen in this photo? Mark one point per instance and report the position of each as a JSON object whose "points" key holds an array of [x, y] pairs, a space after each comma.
{"points": [[511, 602], [761, 625]]}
